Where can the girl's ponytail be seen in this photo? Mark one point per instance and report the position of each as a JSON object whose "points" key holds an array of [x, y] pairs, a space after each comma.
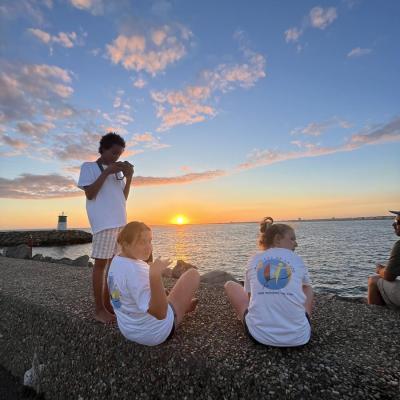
{"points": [[268, 231]]}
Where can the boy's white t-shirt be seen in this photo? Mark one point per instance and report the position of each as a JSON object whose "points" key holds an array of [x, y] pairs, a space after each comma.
{"points": [[276, 314], [108, 209], [129, 286]]}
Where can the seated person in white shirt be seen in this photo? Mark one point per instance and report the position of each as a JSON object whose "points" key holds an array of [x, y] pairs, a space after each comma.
{"points": [[276, 302], [145, 313]]}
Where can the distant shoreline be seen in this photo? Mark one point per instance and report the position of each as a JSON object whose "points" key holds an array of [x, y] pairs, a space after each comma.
{"points": [[376, 218]]}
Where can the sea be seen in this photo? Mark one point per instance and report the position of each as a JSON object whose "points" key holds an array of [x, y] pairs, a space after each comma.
{"points": [[340, 255]]}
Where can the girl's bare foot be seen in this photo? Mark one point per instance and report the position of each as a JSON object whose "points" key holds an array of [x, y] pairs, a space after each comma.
{"points": [[193, 305], [105, 317]]}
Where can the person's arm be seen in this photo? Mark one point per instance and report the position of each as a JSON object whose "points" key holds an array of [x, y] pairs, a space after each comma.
{"points": [[92, 190], [158, 305], [308, 291], [128, 172]]}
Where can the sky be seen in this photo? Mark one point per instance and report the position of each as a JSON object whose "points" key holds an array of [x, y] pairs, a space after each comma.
{"points": [[231, 110]]}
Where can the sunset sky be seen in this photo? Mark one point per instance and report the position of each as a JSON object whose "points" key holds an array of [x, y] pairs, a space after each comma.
{"points": [[231, 110]]}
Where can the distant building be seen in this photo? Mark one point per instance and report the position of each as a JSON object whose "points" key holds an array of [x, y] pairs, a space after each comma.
{"points": [[62, 222]]}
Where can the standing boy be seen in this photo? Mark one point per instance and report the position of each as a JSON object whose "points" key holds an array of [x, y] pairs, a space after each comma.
{"points": [[106, 183]]}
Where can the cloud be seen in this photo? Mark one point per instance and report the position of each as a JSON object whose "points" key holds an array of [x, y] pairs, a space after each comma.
{"points": [[293, 34], [27, 90], [152, 54], [183, 179], [318, 128], [118, 99], [14, 143], [385, 133], [318, 18], [95, 7], [158, 36], [389, 132], [35, 129], [27, 9], [64, 39], [182, 107], [358, 52], [139, 83], [30, 186], [147, 140], [321, 18], [192, 104]]}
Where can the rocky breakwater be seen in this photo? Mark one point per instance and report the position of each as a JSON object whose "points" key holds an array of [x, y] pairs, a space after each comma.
{"points": [[44, 238]]}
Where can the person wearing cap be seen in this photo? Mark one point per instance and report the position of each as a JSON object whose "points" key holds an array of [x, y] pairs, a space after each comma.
{"points": [[384, 288]]}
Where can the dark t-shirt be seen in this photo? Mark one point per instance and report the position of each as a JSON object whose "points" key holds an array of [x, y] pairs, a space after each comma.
{"points": [[393, 265]]}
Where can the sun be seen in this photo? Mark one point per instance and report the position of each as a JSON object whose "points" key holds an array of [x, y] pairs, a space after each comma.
{"points": [[179, 220]]}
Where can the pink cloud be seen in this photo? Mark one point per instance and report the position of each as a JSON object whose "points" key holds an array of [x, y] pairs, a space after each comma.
{"points": [[389, 132], [321, 18], [29, 186], [95, 7], [189, 105], [65, 39], [12, 142], [35, 129], [293, 34], [26, 90], [152, 56]]}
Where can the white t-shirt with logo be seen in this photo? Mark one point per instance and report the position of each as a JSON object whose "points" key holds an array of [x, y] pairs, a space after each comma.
{"points": [[108, 209], [129, 286], [276, 314]]}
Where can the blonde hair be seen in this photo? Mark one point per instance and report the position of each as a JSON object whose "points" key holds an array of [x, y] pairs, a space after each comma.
{"points": [[131, 232], [269, 230]]}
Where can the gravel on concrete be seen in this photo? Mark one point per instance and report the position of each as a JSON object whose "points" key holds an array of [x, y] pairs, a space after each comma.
{"points": [[47, 308]]}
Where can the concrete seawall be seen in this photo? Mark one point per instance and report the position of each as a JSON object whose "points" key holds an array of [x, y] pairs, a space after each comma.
{"points": [[45, 238], [48, 307]]}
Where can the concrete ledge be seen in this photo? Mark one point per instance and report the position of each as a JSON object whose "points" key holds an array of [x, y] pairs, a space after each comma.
{"points": [[45, 238], [353, 353]]}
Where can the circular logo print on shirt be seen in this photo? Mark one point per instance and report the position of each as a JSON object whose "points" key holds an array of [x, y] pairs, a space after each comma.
{"points": [[273, 273]]}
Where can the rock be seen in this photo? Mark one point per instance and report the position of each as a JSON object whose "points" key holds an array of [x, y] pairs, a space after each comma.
{"points": [[167, 273], [38, 257], [66, 260], [45, 238], [217, 277], [181, 267], [33, 376], [20, 251], [81, 261]]}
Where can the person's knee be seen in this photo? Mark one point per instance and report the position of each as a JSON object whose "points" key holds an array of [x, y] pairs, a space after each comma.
{"points": [[229, 285], [193, 274], [373, 280]]}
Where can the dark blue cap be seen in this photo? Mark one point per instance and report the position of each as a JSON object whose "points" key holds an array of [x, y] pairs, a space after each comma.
{"points": [[395, 212]]}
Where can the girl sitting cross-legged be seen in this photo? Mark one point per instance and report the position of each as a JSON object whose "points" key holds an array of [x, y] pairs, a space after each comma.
{"points": [[276, 301], [145, 313]]}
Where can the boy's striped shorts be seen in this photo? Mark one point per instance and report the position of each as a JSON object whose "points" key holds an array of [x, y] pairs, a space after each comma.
{"points": [[104, 245]]}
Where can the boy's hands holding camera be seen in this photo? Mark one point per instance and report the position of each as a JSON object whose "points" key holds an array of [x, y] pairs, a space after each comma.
{"points": [[120, 166], [115, 167], [127, 169]]}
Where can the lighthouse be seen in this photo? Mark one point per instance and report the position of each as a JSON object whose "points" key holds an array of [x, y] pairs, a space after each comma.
{"points": [[62, 222]]}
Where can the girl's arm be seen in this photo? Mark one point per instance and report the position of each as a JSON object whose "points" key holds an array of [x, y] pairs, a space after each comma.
{"points": [[308, 291], [158, 305]]}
